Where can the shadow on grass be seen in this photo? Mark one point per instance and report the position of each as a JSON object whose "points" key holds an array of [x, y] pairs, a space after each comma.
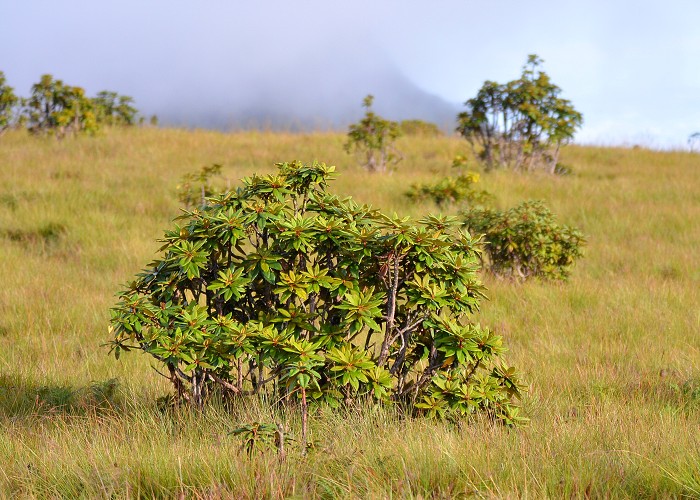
{"points": [[44, 236], [21, 398]]}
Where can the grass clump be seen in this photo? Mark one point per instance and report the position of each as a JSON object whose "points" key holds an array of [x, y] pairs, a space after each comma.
{"points": [[43, 237]]}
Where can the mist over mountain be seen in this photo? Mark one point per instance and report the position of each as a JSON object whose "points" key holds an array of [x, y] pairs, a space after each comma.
{"points": [[326, 94]]}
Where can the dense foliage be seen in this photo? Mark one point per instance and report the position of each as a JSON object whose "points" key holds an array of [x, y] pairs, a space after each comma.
{"points": [[521, 124], [283, 290], [525, 241], [59, 109], [372, 139]]}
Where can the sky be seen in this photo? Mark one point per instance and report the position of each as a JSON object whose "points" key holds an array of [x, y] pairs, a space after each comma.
{"points": [[631, 67]]}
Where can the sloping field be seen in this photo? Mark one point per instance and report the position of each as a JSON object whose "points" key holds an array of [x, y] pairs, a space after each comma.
{"points": [[612, 356]]}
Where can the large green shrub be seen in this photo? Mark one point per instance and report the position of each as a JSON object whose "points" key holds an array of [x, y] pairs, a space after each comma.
{"points": [[283, 290], [525, 241]]}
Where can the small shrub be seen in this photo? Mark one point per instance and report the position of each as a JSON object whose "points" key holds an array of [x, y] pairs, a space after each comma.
{"points": [[419, 128], [261, 437], [460, 161], [283, 291], [451, 190], [563, 169], [114, 109], [525, 241], [195, 187], [44, 236], [372, 138], [9, 200]]}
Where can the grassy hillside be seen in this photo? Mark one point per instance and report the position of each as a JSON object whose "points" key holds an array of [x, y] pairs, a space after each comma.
{"points": [[612, 356]]}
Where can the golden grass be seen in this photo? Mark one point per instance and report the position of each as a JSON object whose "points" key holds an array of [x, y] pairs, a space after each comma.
{"points": [[612, 356]]}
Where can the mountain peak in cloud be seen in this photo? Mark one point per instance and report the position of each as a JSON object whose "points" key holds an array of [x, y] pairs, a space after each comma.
{"points": [[325, 94]]}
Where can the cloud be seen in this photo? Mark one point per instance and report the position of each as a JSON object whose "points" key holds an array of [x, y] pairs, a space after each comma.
{"points": [[223, 63]]}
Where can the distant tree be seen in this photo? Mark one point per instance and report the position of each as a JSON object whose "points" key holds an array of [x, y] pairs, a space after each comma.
{"points": [[8, 104], [373, 139], [521, 124], [694, 142], [114, 109], [59, 109]]}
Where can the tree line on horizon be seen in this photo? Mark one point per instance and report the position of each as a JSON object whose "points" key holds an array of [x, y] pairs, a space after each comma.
{"points": [[59, 109]]}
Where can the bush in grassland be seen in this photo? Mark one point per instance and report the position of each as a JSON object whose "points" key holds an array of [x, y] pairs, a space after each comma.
{"points": [[280, 289], [525, 241]]}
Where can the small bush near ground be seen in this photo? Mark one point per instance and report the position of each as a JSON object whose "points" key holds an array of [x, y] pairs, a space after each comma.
{"points": [[42, 237], [525, 241], [451, 190], [194, 188], [283, 291]]}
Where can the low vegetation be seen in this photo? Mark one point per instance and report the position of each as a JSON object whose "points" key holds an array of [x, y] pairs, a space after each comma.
{"points": [[451, 191], [420, 128], [525, 241], [195, 187]]}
